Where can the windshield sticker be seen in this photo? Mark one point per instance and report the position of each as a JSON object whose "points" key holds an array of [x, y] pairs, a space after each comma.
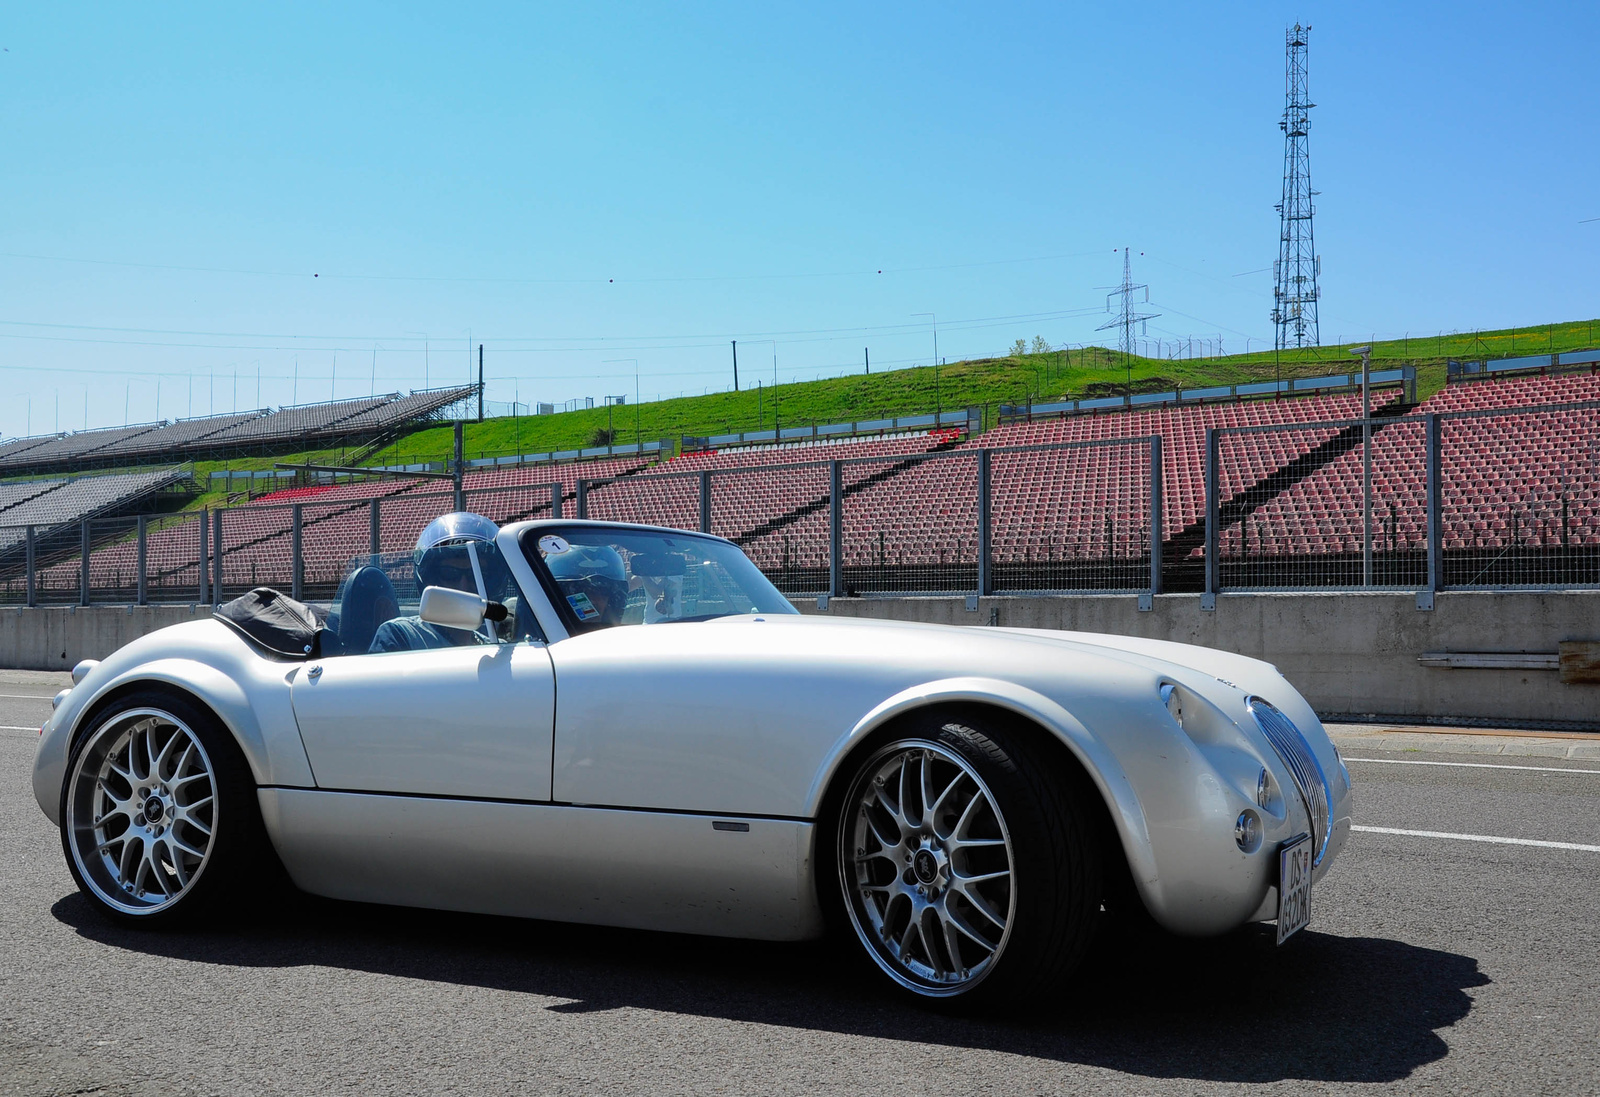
{"points": [[551, 545], [582, 607]]}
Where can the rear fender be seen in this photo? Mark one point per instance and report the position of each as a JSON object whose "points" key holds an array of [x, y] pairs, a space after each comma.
{"points": [[1127, 815]]}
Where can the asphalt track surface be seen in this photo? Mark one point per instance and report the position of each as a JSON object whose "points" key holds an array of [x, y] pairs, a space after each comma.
{"points": [[1431, 965]]}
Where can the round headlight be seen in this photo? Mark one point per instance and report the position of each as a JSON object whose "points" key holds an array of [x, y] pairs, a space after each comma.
{"points": [[1247, 831], [1174, 702]]}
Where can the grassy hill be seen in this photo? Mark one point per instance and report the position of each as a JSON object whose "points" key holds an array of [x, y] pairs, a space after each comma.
{"points": [[985, 382], [982, 382]]}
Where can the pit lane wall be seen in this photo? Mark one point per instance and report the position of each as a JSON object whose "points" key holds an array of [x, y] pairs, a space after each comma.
{"points": [[1354, 656], [56, 637]]}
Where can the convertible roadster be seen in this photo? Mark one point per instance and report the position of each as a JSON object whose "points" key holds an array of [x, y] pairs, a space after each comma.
{"points": [[630, 726]]}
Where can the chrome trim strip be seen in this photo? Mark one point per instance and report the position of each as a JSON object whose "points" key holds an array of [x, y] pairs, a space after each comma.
{"points": [[1296, 753]]}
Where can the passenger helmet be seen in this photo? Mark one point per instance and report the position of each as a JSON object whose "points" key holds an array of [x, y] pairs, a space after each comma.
{"points": [[445, 551], [591, 576]]}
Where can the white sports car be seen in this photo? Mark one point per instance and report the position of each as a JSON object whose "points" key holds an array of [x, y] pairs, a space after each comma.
{"points": [[630, 726]]}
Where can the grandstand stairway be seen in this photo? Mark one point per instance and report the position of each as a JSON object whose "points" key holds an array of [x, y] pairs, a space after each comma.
{"points": [[805, 510], [1183, 568]]}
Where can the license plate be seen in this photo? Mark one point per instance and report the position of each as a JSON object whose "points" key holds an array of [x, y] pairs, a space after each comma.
{"points": [[1294, 886]]}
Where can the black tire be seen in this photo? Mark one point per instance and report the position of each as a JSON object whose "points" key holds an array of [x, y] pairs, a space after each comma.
{"points": [[115, 802], [1048, 815]]}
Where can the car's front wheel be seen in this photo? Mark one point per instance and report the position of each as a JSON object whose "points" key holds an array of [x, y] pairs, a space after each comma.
{"points": [[159, 819], [968, 865]]}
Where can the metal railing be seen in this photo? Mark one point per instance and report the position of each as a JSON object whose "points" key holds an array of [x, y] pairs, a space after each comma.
{"points": [[964, 520], [1460, 500], [1498, 498]]}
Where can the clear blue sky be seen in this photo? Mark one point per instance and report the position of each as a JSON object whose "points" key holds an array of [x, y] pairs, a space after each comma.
{"points": [[191, 194]]}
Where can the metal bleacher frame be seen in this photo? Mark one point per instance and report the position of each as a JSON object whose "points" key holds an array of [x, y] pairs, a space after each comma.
{"points": [[234, 436]]}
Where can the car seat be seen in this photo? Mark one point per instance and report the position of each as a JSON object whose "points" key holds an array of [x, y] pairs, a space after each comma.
{"points": [[368, 600]]}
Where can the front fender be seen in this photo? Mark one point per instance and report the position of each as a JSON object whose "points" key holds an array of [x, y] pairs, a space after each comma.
{"points": [[270, 740], [1102, 766]]}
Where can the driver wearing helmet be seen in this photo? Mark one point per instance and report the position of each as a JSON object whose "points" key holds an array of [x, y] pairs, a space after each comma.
{"points": [[455, 551], [592, 579]]}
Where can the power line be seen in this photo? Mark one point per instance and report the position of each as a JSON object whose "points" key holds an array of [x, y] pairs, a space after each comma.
{"points": [[591, 280], [503, 342]]}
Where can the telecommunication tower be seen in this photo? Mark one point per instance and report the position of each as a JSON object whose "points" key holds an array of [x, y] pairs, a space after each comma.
{"points": [[1294, 311], [1126, 315]]}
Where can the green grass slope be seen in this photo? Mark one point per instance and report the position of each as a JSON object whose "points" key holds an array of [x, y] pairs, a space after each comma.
{"points": [[985, 382]]}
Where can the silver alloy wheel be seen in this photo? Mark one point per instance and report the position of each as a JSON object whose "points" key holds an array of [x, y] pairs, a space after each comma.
{"points": [[141, 811], [926, 865]]}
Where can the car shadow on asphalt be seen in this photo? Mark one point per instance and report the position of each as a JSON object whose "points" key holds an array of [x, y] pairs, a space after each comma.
{"points": [[1236, 1008]]}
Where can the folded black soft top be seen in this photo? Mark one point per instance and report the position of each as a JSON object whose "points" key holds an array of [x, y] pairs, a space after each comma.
{"points": [[274, 621]]}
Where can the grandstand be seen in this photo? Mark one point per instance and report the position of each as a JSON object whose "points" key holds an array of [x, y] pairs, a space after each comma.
{"points": [[1067, 503], [65, 515], [911, 522], [69, 511], [370, 421], [1523, 487]]}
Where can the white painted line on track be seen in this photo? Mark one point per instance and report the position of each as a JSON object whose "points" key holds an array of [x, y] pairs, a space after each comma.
{"points": [[13, 727], [26, 696], [1470, 765], [1478, 838]]}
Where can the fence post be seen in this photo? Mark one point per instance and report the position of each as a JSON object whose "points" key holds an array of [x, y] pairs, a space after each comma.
{"points": [[583, 498], [1155, 515], [83, 563], [216, 556], [836, 529], [144, 572], [33, 590], [705, 500], [985, 565], [297, 568], [1208, 599], [555, 499], [205, 562], [1434, 520], [374, 530]]}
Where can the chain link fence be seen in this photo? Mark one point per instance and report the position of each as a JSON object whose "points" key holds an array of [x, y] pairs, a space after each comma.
{"points": [[1077, 518], [1337, 504], [1520, 497], [1486, 499]]}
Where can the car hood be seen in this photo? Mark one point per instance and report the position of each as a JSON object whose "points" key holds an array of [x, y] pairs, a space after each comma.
{"points": [[1162, 657]]}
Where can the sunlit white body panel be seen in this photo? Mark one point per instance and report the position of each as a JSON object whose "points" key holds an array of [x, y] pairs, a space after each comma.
{"points": [[580, 778]]}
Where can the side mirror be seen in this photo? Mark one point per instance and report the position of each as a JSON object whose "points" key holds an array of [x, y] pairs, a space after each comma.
{"points": [[452, 608]]}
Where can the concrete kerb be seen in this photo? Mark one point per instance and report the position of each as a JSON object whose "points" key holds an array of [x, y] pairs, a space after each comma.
{"points": [[1352, 739]]}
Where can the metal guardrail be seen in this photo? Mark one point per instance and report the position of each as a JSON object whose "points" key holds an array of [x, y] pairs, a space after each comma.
{"points": [[1571, 361], [1405, 377], [1500, 498]]}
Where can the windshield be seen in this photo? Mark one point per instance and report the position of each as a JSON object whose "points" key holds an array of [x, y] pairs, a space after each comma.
{"points": [[602, 576]]}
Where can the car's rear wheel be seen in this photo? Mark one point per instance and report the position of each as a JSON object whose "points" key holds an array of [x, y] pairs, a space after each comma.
{"points": [[159, 819], [967, 862]]}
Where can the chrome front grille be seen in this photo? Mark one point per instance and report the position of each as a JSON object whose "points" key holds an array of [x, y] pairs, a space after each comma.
{"points": [[1303, 765]]}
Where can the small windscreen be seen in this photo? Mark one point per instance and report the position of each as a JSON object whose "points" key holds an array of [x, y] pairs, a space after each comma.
{"points": [[604, 576]]}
